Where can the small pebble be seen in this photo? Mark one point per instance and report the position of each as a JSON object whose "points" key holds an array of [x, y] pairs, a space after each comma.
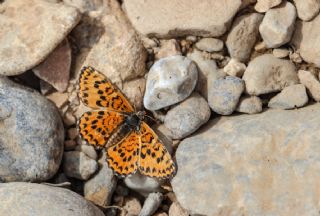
{"points": [[88, 150], [132, 206], [176, 210], [209, 44], [250, 105], [311, 83], [59, 99], [280, 52], [70, 145], [151, 204], [72, 133], [168, 48], [234, 68], [264, 5]]}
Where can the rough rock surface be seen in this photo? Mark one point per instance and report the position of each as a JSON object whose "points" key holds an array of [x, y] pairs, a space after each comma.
{"points": [[37, 200], [243, 35], [310, 81], [291, 97], [264, 5], [185, 118], [250, 105], [170, 80], [31, 134], [49, 23], [172, 17], [234, 68], [266, 74], [265, 164], [307, 9], [278, 24]]}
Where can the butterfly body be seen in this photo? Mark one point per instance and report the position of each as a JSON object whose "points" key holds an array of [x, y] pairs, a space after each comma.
{"points": [[130, 143]]}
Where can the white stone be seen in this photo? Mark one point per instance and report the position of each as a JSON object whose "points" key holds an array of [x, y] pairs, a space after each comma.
{"points": [[264, 5], [209, 44], [280, 52], [310, 81], [234, 68], [307, 9]]}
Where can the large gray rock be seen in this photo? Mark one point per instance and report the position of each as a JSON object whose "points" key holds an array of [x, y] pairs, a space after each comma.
{"points": [[30, 31], [38, 200], [265, 164], [307, 9], [31, 134], [277, 26], [181, 17], [243, 35], [267, 74], [170, 80]]}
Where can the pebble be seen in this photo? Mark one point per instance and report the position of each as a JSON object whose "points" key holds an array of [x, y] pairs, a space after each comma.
{"points": [[99, 189], [235, 68], [151, 204], [209, 44], [134, 91], [248, 155], [278, 24], [243, 35], [38, 199], [168, 48], [119, 54], [280, 52], [206, 66], [55, 70], [72, 133], [171, 18], [250, 105], [88, 150], [50, 22], [224, 94], [58, 98], [69, 119], [311, 82], [307, 9], [143, 184], [263, 6], [267, 74], [305, 39], [78, 165], [170, 80], [32, 134], [186, 117], [84, 5], [132, 206], [69, 145], [291, 97], [176, 210]]}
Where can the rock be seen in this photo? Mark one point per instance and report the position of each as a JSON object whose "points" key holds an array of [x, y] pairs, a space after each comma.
{"points": [[32, 134], [134, 91], [305, 39], [291, 97], [267, 74], [224, 94], [243, 35], [170, 80], [172, 18], [277, 25], [176, 210], [210, 44], [78, 165], [143, 184], [88, 150], [72, 133], [99, 189], [168, 48], [250, 105], [295, 57], [119, 53], [58, 98], [311, 83], [308, 9], [50, 23], [38, 199], [69, 145], [234, 68], [205, 67], [280, 52], [85, 5], [132, 206], [186, 117], [265, 158], [69, 119], [263, 6], [151, 204], [55, 69]]}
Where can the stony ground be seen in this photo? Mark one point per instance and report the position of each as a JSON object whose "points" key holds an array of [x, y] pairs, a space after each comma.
{"points": [[233, 84]]}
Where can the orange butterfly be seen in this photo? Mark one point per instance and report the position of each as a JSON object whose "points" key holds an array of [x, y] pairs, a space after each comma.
{"points": [[139, 149]]}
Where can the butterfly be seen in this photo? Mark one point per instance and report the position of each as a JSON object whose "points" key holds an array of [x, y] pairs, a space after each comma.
{"points": [[130, 143]]}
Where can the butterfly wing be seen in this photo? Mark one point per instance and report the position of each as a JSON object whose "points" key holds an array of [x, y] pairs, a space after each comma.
{"points": [[97, 91], [154, 160], [123, 157], [96, 127]]}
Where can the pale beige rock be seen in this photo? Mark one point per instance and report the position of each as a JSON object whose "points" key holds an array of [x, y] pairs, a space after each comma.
{"points": [[132, 206], [119, 54], [234, 68], [209, 44], [307, 9], [88, 150], [176, 210], [85, 5], [264, 5], [278, 24], [48, 23], [249, 105], [280, 52], [310, 81], [168, 48], [266, 74], [265, 164], [59, 99], [134, 91], [173, 17]]}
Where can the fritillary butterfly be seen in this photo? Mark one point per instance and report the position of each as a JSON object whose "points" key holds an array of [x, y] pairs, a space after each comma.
{"points": [[130, 143]]}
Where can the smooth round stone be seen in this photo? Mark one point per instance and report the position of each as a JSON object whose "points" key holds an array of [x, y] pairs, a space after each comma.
{"points": [[170, 80], [151, 204], [307, 9], [249, 105], [186, 117], [310, 81], [32, 134], [210, 44], [38, 200], [263, 6]]}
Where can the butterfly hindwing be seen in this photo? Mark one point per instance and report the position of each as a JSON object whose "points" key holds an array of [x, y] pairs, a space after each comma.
{"points": [[97, 91], [96, 127], [123, 157], [154, 160]]}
